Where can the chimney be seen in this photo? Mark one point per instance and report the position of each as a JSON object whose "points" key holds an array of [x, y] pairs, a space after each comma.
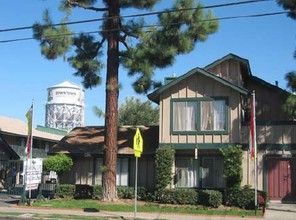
{"points": [[277, 83], [169, 79]]}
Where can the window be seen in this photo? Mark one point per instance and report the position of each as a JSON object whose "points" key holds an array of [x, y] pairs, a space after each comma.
{"points": [[184, 116], [121, 171], [212, 173], [199, 115], [206, 172], [187, 172], [213, 115]]}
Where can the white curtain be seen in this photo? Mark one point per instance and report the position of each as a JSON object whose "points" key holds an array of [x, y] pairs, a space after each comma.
{"points": [[191, 116], [187, 172], [213, 115], [184, 116], [219, 115], [206, 115]]}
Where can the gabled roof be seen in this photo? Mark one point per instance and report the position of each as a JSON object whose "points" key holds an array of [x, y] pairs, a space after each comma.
{"points": [[90, 140], [154, 96], [230, 56], [268, 85], [7, 148], [18, 127]]}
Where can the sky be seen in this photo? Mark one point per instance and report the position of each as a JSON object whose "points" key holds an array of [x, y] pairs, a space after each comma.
{"points": [[267, 42]]}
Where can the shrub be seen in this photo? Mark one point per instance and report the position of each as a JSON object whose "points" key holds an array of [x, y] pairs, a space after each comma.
{"points": [[245, 198], [144, 195], [165, 157], [65, 191], [242, 198], [233, 173], [265, 198], [83, 192], [97, 192], [179, 196], [125, 192], [211, 198], [58, 163]]}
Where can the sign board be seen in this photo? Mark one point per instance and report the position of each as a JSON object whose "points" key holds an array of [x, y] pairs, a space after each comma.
{"points": [[33, 169], [138, 143]]}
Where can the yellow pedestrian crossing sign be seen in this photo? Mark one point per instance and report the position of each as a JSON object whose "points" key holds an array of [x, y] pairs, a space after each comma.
{"points": [[138, 143]]}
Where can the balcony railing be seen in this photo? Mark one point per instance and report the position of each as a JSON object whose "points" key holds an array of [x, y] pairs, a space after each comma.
{"points": [[36, 153]]}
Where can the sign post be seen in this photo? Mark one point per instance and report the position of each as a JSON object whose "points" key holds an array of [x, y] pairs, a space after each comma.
{"points": [[138, 149], [33, 168]]}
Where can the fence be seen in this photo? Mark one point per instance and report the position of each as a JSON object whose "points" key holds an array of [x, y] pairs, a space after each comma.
{"points": [[12, 180]]}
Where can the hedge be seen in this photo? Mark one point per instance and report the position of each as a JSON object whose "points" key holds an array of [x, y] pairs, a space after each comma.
{"points": [[65, 191], [238, 197], [245, 198], [179, 196], [211, 198]]}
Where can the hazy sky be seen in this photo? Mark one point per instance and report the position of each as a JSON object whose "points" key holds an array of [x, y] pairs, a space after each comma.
{"points": [[267, 42]]}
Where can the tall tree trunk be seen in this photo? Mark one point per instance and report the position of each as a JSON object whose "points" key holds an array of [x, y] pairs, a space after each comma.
{"points": [[110, 150]]}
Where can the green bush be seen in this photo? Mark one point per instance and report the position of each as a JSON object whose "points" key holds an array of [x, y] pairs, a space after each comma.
{"points": [[179, 196], [144, 195], [58, 163], [211, 198], [165, 157], [65, 191], [83, 192], [125, 192], [97, 192], [245, 198], [233, 172]]}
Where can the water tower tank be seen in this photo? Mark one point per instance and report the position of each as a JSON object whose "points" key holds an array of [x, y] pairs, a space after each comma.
{"points": [[65, 106]]}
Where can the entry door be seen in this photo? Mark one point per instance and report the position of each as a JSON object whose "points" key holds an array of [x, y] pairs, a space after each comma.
{"points": [[281, 178]]}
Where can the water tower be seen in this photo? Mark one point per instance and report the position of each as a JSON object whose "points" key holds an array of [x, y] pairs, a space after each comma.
{"points": [[65, 106]]}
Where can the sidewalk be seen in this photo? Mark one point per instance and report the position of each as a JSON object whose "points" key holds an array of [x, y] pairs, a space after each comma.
{"points": [[277, 210], [29, 211]]}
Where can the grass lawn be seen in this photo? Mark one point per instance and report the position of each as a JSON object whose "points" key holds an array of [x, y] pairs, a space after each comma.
{"points": [[128, 206]]}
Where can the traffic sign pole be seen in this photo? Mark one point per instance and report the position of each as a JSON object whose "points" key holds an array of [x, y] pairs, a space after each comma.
{"points": [[136, 188], [138, 149]]}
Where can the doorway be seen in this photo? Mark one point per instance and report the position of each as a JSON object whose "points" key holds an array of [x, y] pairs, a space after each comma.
{"points": [[281, 178]]}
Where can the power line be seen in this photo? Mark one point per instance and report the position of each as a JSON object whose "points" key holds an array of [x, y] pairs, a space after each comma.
{"points": [[139, 15], [157, 25]]}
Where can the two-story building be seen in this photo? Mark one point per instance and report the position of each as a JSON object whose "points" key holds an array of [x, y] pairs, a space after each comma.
{"points": [[208, 108], [13, 138], [201, 112]]}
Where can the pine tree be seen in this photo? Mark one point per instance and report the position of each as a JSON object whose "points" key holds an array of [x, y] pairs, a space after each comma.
{"points": [[289, 5], [131, 43], [290, 104]]}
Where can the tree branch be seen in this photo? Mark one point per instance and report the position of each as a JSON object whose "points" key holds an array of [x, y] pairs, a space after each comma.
{"points": [[126, 32], [101, 43], [122, 40], [77, 4], [121, 54]]}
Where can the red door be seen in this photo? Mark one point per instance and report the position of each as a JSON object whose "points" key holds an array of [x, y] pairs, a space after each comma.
{"points": [[281, 178]]}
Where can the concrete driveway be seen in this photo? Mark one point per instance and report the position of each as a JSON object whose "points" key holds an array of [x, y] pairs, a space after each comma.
{"points": [[277, 210]]}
